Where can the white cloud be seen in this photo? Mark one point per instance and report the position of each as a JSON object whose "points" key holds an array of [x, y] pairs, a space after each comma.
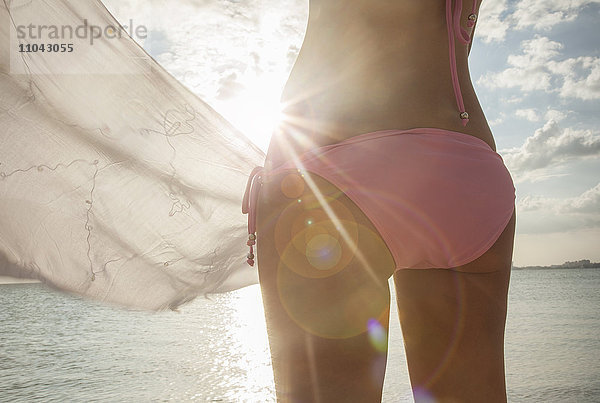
{"points": [[587, 203], [492, 26], [513, 100], [585, 86], [544, 175], [528, 70], [556, 115], [498, 120], [541, 214], [533, 115], [550, 146], [496, 20], [529, 114], [532, 203], [544, 14], [535, 51], [535, 70]]}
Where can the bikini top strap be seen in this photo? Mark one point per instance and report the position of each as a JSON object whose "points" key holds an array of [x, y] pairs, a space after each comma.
{"points": [[455, 30]]}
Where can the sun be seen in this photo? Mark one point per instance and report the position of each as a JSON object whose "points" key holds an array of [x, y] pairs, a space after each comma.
{"points": [[256, 111]]}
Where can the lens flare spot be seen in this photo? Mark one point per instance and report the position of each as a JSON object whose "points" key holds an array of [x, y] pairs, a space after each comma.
{"points": [[331, 300], [377, 335], [292, 185], [422, 395], [313, 242], [323, 252], [307, 225], [318, 250]]}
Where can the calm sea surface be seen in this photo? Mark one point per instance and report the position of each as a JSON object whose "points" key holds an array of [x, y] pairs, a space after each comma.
{"points": [[60, 348]]}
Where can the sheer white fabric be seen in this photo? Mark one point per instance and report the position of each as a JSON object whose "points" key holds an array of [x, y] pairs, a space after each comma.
{"points": [[116, 182]]}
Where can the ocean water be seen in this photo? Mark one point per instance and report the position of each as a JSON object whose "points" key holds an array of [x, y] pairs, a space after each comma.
{"points": [[57, 348]]}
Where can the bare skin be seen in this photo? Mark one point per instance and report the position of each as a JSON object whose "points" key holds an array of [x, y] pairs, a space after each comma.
{"points": [[373, 65], [361, 63]]}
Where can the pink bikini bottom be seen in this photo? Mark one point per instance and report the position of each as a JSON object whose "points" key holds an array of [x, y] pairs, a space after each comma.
{"points": [[438, 198]]}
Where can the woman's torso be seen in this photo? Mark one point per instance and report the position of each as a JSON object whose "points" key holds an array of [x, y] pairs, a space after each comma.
{"points": [[368, 65]]}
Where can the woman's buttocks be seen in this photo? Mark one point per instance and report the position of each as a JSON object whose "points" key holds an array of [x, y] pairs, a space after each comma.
{"points": [[371, 65]]}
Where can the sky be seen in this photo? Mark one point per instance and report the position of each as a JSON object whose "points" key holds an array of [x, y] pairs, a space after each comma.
{"points": [[535, 65]]}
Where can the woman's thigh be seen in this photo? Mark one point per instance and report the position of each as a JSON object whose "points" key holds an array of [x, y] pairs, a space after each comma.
{"points": [[453, 326], [323, 272]]}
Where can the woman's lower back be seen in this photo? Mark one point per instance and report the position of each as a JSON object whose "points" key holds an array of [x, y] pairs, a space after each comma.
{"points": [[373, 65]]}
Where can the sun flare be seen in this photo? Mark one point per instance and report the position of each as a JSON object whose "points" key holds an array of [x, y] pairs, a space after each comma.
{"points": [[256, 111]]}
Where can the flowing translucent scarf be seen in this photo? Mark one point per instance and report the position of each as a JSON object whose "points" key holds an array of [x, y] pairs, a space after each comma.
{"points": [[116, 182]]}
